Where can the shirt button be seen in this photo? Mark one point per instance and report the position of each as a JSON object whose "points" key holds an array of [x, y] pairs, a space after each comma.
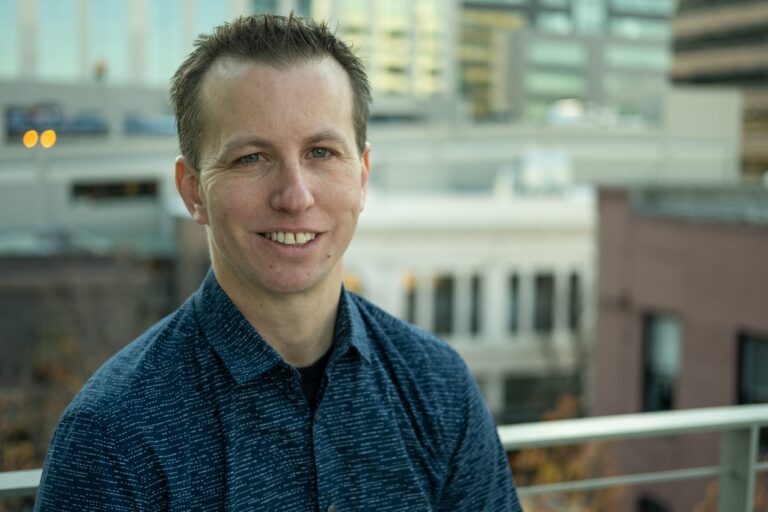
{"points": [[331, 508]]}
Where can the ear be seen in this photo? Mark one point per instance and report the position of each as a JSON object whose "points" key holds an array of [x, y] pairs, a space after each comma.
{"points": [[365, 162], [188, 185]]}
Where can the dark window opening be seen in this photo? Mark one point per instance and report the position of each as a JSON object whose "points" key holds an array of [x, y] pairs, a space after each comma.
{"points": [[443, 290], [574, 302], [648, 504], [409, 283], [661, 361], [476, 304], [115, 190], [513, 287], [544, 317], [753, 377]]}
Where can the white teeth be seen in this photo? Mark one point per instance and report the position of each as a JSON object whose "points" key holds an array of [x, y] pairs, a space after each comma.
{"points": [[290, 238]]}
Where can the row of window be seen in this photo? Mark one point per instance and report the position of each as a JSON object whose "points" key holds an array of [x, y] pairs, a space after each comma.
{"points": [[544, 302], [53, 116]]}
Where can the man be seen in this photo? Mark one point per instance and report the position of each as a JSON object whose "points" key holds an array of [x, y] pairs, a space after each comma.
{"points": [[272, 387]]}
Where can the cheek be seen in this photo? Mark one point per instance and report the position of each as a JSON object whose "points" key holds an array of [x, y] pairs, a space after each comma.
{"points": [[227, 195], [345, 193]]}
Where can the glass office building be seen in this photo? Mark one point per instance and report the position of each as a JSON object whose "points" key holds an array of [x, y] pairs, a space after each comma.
{"points": [[520, 58]]}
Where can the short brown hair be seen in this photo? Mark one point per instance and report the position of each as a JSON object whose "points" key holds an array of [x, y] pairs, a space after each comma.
{"points": [[267, 39]]}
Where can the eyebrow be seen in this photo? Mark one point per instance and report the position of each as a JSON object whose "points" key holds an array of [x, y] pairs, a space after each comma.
{"points": [[326, 135], [240, 142]]}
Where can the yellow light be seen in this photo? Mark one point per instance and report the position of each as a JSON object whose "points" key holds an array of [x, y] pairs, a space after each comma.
{"points": [[30, 138], [48, 138]]}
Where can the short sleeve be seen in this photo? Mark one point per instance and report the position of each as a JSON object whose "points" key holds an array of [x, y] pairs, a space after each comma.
{"points": [[479, 478], [86, 469]]}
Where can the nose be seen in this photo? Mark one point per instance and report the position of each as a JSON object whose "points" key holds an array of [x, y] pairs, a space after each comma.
{"points": [[291, 192]]}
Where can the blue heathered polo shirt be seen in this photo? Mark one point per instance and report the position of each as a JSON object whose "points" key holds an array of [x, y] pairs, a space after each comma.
{"points": [[200, 413]]}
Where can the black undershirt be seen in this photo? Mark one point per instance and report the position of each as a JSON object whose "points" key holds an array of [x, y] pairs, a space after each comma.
{"points": [[312, 377]]}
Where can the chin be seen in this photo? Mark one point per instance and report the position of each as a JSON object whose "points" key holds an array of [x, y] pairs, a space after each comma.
{"points": [[291, 286]]}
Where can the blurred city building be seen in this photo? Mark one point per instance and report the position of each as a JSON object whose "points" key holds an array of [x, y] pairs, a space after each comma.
{"points": [[481, 232], [504, 279], [609, 59], [726, 43], [408, 47], [472, 231], [681, 320]]}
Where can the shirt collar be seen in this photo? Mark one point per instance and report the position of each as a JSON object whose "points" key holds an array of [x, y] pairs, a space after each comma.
{"points": [[350, 328], [245, 354]]}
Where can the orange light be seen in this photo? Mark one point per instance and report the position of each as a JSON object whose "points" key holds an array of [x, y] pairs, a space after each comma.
{"points": [[48, 138], [30, 138]]}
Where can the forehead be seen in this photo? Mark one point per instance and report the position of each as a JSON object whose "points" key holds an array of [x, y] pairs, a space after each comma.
{"points": [[237, 87]]}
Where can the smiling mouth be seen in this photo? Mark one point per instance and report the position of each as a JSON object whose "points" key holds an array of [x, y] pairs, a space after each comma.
{"points": [[283, 237]]}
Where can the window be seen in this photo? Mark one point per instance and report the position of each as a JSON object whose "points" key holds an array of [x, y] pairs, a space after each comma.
{"points": [[589, 16], [9, 52], [409, 284], [443, 319], [574, 302], [544, 311], [661, 361], [637, 57], [638, 28], [115, 190], [551, 83], [650, 7], [753, 378], [648, 504], [559, 53], [164, 40], [476, 304], [109, 41], [554, 22], [58, 38], [513, 291]]}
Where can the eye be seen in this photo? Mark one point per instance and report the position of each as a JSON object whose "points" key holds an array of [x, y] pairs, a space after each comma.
{"points": [[320, 153], [250, 159]]}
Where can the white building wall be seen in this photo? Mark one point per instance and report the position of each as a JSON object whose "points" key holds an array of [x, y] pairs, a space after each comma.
{"points": [[493, 239]]}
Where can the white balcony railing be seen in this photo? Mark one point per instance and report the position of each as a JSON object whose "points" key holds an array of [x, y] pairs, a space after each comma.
{"points": [[739, 428]]}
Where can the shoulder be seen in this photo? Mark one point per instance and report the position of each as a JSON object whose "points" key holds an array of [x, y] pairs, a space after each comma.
{"points": [[144, 370], [99, 455]]}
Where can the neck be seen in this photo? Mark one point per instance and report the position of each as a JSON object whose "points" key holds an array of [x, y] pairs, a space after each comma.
{"points": [[299, 326]]}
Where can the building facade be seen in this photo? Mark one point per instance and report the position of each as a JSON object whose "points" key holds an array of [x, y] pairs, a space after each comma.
{"points": [[681, 320], [726, 43], [520, 58], [408, 47]]}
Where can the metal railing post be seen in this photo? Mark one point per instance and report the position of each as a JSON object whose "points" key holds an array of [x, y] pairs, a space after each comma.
{"points": [[738, 456]]}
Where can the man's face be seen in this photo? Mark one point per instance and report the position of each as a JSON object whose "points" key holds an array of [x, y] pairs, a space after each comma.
{"points": [[281, 183]]}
